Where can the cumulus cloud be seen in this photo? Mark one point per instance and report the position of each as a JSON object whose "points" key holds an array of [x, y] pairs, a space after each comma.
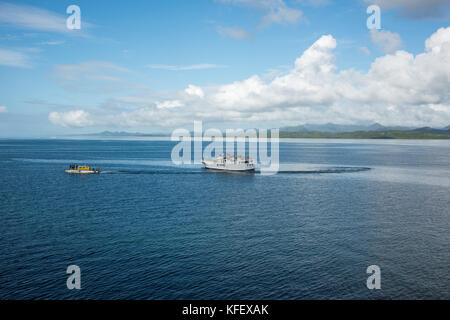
{"points": [[194, 91], [416, 9], [438, 40], [235, 33], [76, 118], [3, 109], [388, 41], [399, 88], [319, 57]]}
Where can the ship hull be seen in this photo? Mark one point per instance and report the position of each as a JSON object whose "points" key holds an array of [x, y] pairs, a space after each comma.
{"points": [[231, 170], [228, 167]]}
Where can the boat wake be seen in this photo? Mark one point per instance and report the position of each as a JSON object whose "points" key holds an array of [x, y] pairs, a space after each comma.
{"points": [[326, 170], [205, 171], [152, 172]]}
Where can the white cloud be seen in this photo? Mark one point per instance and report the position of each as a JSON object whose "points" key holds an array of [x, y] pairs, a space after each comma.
{"points": [[272, 73], [398, 89], [14, 58], [3, 109], [187, 67], [169, 104], [235, 33], [388, 41], [438, 40], [76, 118], [319, 57], [275, 11], [194, 91], [415, 9]]}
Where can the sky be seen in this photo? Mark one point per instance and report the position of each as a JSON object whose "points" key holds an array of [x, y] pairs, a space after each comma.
{"points": [[154, 66]]}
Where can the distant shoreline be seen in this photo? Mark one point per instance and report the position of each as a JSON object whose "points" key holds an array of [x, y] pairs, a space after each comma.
{"points": [[382, 134], [415, 134], [167, 138], [391, 134]]}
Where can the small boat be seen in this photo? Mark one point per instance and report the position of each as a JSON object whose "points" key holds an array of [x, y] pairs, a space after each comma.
{"points": [[85, 169], [230, 163]]}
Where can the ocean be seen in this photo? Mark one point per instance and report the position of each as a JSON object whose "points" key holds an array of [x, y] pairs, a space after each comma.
{"points": [[147, 229]]}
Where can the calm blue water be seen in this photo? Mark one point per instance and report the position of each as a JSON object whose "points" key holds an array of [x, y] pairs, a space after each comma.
{"points": [[145, 229]]}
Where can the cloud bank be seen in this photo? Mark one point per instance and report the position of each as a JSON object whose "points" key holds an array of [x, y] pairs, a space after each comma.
{"points": [[76, 118], [399, 88]]}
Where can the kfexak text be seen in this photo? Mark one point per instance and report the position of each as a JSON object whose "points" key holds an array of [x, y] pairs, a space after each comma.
{"points": [[230, 309]]}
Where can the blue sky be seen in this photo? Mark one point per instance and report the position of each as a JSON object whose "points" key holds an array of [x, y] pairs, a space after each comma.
{"points": [[153, 66]]}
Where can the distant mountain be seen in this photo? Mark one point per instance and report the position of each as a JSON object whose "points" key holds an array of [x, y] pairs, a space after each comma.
{"points": [[376, 127], [329, 130], [389, 134], [446, 130], [373, 131], [337, 128]]}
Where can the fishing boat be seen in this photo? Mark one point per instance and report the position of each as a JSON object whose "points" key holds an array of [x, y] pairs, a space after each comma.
{"points": [[230, 163], [84, 169]]}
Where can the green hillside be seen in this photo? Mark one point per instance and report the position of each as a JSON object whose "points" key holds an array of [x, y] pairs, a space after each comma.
{"points": [[390, 134]]}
